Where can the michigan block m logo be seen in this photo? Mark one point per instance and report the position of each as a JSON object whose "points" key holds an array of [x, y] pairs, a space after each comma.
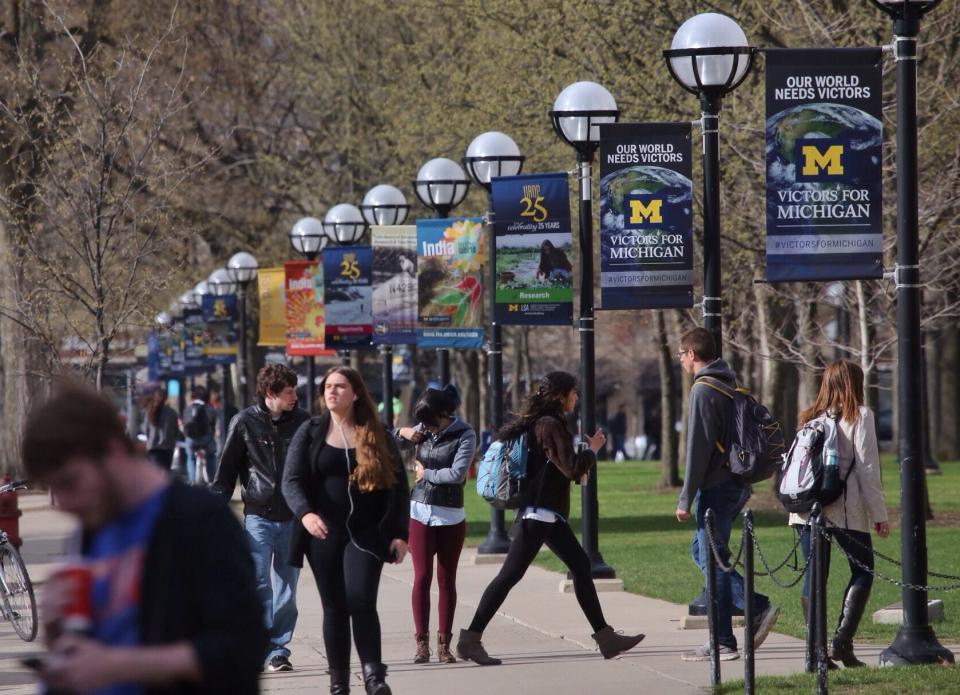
{"points": [[640, 211], [816, 161]]}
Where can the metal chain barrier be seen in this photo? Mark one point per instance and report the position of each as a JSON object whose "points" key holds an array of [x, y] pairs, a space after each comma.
{"points": [[880, 575], [772, 572], [711, 541]]}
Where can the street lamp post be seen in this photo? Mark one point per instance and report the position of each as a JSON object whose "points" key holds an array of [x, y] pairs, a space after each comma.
{"points": [[709, 57], [915, 642], [308, 239], [385, 205], [577, 114], [344, 225], [441, 185], [201, 290], [488, 155], [242, 268], [221, 284]]}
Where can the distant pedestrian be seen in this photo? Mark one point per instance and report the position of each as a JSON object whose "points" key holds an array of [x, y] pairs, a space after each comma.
{"points": [[542, 518], [445, 446], [708, 484], [161, 428], [172, 601], [254, 453], [345, 483], [859, 509], [199, 421], [618, 432]]}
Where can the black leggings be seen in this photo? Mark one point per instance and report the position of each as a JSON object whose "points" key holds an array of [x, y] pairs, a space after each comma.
{"points": [[530, 536], [348, 579]]}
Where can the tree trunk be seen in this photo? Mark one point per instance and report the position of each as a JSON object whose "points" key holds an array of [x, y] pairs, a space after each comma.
{"points": [[670, 468], [806, 327]]}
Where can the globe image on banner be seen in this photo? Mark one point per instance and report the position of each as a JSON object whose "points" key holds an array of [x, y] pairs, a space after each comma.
{"points": [[860, 131], [673, 187]]}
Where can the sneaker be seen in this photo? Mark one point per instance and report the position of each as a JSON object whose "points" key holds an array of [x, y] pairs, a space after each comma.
{"points": [[703, 654], [763, 624], [279, 663]]}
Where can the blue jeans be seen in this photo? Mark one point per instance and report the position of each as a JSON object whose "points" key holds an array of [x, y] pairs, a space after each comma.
{"points": [[276, 580], [726, 500], [209, 448]]}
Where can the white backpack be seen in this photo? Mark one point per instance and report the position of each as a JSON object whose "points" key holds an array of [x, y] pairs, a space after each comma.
{"points": [[811, 468]]}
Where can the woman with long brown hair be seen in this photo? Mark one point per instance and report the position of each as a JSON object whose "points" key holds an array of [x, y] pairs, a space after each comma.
{"points": [[345, 483], [161, 428], [859, 509]]}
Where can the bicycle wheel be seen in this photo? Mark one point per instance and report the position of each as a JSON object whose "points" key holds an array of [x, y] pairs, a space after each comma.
{"points": [[20, 602]]}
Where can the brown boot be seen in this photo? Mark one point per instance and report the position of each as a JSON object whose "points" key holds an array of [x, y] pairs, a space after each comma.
{"points": [[423, 648], [470, 648], [612, 643], [444, 656]]}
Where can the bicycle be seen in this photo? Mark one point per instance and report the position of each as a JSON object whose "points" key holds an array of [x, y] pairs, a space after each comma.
{"points": [[17, 602]]}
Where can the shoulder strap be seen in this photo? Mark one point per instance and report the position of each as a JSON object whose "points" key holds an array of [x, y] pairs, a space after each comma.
{"points": [[716, 385]]}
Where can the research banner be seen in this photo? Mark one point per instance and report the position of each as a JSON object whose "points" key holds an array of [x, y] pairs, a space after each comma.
{"points": [[450, 258], [394, 285], [646, 216], [533, 250], [348, 297], [824, 159]]}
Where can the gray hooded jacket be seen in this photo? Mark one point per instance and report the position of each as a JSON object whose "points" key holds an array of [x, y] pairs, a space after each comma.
{"points": [[708, 414]]}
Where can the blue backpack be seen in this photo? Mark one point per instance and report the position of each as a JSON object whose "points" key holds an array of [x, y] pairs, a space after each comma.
{"points": [[502, 474]]}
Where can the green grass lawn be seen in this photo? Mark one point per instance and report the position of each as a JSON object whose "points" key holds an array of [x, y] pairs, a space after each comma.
{"points": [[920, 680], [650, 550]]}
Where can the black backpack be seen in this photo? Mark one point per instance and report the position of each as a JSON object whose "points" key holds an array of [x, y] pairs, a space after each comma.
{"points": [[197, 424], [753, 444]]}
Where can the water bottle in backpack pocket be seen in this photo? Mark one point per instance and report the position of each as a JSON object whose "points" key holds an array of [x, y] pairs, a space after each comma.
{"points": [[811, 468], [502, 474]]}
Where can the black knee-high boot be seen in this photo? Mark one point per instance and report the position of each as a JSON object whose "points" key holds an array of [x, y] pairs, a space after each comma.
{"points": [[854, 605]]}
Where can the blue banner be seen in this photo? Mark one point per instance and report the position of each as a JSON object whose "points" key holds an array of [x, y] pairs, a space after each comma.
{"points": [[646, 216], [450, 258], [824, 142], [348, 296], [533, 250], [153, 357], [394, 285], [193, 358], [221, 336]]}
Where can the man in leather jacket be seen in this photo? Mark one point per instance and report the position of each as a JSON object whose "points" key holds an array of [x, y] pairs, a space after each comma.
{"points": [[254, 453]]}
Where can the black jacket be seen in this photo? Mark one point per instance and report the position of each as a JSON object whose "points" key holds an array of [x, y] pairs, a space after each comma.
{"points": [[552, 465], [442, 482], [255, 451], [198, 586], [300, 478]]}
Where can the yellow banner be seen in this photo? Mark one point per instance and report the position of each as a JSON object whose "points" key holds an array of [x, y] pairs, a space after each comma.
{"points": [[273, 310]]}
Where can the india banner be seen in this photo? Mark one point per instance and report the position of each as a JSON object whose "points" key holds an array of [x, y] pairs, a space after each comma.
{"points": [[348, 296], [533, 250], [394, 285], [450, 255], [221, 337], [646, 216], [273, 310], [824, 139], [304, 307]]}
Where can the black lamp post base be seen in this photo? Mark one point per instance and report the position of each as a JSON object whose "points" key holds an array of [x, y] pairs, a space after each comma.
{"points": [[600, 569], [496, 543], [914, 646]]}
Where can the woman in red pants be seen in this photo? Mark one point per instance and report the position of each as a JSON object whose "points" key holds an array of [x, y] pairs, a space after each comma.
{"points": [[445, 447]]}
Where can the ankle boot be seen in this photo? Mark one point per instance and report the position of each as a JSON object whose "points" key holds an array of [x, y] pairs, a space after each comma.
{"points": [[339, 681], [470, 648], [611, 643], [423, 648], [805, 604], [374, 679], [443, 648], [854, 605]]}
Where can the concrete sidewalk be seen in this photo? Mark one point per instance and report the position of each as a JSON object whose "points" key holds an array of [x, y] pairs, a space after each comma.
{"points": [[540, 634]]}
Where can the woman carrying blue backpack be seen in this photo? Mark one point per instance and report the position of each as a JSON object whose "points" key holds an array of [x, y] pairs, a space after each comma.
{"points": [[552, 464], [859, 509]]}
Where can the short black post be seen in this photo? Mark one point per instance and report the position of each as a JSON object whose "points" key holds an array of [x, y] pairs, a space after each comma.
{"points": [[225, 401], [444, 357], [810, 664], [712, 603], [819, 617], [311, 382], [242, 347], [749, 672]]}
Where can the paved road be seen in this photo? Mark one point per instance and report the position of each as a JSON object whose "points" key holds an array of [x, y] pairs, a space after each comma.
{"points": [[540, 633]]}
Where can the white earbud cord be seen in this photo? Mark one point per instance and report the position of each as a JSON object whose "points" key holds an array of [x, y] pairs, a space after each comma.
{"points": [[346, 454]]}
